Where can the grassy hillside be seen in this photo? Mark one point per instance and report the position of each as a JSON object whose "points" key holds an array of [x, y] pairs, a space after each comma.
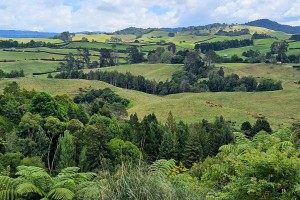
{"points": [[29, 66], [285, 73], [280, 107]]}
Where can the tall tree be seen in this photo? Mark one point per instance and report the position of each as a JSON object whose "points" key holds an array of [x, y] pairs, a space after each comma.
{"points": [[66, 146]]}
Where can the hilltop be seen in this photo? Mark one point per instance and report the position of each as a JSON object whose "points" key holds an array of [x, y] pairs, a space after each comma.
{"points": [[266, 23]]}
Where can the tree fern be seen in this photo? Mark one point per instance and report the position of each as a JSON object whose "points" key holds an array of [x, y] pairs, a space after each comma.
{"points": [[61, 194], [7, 188], [27, 188]]}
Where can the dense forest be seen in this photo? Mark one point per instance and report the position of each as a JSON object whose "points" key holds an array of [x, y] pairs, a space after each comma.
{"points": [[82, 148]]}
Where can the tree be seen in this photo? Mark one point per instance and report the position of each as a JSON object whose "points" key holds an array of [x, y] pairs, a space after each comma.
{"points": [[261, 125], [279, 47], [168, 148], [82, 114], [246, 128], [171, 34], [210, 57], [149, 137], [66, 146], [166, 57], [193, 151], [172, 47], [45, 105], [66, 36], [134, 55], [221, 72], [95, 139], [123, 152], [54, 128]]}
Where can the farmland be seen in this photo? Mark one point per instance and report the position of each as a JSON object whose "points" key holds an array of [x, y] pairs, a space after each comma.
{"points": [[189, 107]]}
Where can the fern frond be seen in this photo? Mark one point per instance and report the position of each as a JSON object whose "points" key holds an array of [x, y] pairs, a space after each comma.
{"points": [[8, 194], [61, 194], [26, 171], [27, 188], [7, 183], [163, 166], [69, 184]]}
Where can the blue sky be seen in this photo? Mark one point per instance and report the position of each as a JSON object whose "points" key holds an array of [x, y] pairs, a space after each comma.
{"points": [[111, 15]]}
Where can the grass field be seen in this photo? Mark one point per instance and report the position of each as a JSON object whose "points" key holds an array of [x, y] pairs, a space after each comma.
{"points": [[29, 66], [284, 73], [263, 45], [280, 107]]}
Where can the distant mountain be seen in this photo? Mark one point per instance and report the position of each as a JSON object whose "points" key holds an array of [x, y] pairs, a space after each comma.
{"points": [[90, 32], [25, 34], [266, 23]]}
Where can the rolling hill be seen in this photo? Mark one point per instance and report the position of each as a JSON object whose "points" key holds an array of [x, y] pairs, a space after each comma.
{"points": [[266, 23]]}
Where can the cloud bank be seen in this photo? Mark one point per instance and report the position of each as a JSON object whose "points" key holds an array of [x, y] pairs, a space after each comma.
{"points": [[107, 15]]}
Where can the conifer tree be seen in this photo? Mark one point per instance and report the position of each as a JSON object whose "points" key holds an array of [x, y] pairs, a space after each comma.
{"points": [[193, 150], [66, 147]]}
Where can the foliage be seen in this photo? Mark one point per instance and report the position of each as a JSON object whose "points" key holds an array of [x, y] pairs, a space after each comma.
{"points": [[217, 46], [264, 168]]}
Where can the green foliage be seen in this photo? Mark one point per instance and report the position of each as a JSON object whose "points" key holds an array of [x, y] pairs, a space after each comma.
{"points": [[123, 152], [196, 144], [66, 157], [266, 168], [45, 105]]}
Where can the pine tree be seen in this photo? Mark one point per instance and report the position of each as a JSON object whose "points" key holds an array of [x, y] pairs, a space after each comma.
{"points": [[66, 151], [168, 148], [83, 163], [182, 136], [193, 151]]}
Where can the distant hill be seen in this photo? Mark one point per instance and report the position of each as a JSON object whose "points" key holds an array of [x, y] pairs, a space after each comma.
{"points": [[90, 32], [141, 31], [266, 23], [135, 31], [25, 34]]}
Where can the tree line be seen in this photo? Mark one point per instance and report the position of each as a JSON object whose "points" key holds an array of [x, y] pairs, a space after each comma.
{"points": [[183, 81], [15, 44], [12, 74], [221, 45], [244, 31]]}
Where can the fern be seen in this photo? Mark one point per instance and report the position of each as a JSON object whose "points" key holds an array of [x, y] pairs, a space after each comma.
{"points": [[7, 183], [27, 171], [8, 195], [69, 184], [7, 188], [162, 167], [61, 194], [27, 188]]}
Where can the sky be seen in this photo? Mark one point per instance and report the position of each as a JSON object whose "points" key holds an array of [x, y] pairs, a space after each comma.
{"points": [[112, 15]]}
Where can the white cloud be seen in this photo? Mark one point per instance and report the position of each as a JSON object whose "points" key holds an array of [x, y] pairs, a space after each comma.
{"points": [[108, 15]]}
